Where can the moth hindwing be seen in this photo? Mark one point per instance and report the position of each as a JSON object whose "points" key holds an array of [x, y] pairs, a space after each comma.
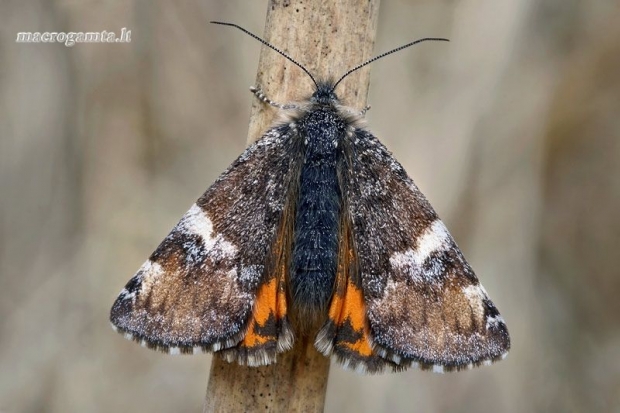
{"points": [[314, 229]]}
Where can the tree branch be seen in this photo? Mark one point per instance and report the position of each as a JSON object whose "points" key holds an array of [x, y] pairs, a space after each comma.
{"points": [[327, 38]]}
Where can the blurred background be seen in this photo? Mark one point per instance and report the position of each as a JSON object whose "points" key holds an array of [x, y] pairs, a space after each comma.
{"points": [[512, 131]]}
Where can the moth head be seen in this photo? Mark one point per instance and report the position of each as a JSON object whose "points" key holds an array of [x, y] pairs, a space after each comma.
{"points": [[324, 94]]}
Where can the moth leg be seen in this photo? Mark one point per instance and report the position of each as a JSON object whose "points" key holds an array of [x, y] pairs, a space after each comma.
{"points": [[258, 92], [363, 111]]}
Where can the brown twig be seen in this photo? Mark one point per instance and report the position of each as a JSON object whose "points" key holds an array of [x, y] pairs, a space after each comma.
{"points": [[327, 38]]}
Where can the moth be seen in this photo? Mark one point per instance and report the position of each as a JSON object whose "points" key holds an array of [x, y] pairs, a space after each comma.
{"points": [[314, 229]]}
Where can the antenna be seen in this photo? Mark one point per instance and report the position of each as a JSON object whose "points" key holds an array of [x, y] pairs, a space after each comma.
{"points": [[387, 53], [271, 47], [346, 74]]}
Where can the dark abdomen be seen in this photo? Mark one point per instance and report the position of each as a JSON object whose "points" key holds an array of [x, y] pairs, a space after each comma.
{"points": [[315, 248]]}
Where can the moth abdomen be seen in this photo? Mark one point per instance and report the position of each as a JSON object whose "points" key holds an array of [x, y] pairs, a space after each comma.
{"points": [[315, 250]]}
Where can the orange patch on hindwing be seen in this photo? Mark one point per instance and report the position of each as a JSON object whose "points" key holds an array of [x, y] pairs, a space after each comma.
{"points": [[265, 310], [347, 310], [268, 319]]}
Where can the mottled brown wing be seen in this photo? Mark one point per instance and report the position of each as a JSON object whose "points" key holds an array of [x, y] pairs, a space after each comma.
{"points": [[214, 282], [424, 304]]}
